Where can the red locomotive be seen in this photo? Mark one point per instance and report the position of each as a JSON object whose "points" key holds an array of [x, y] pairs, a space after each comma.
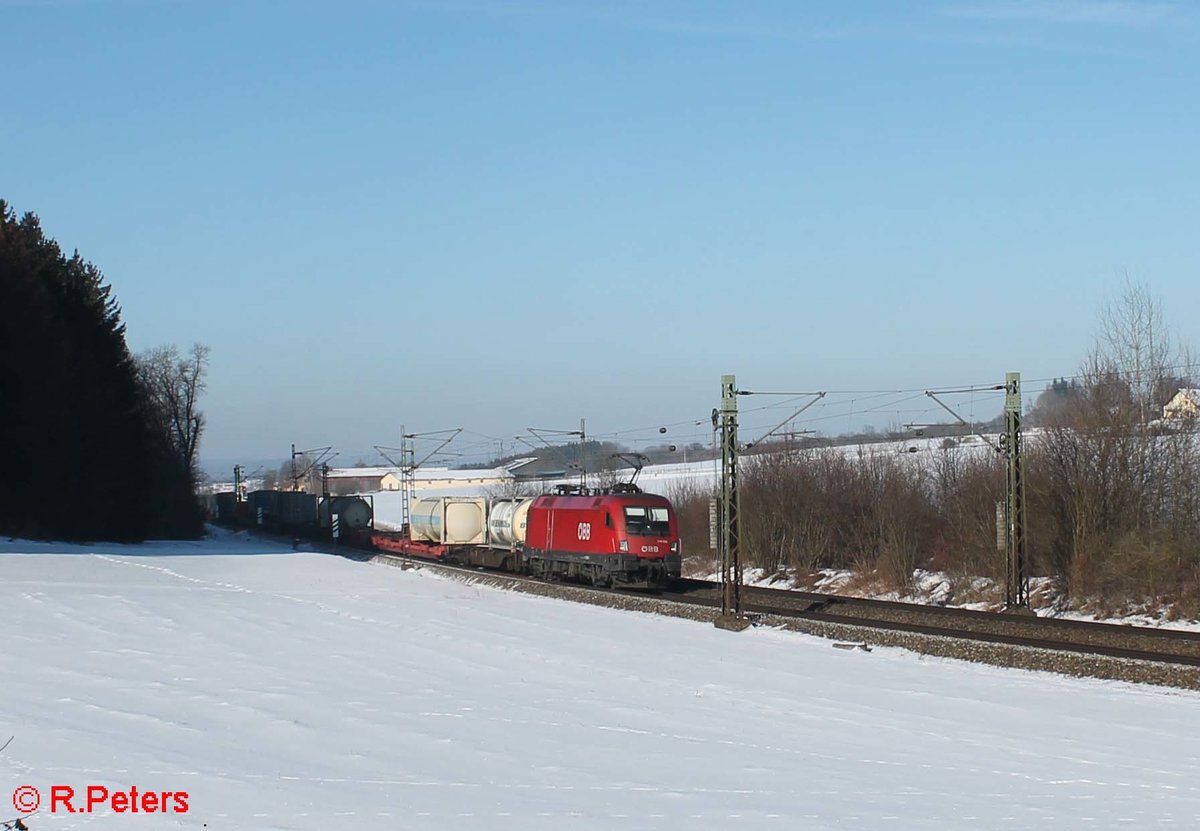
{"points": [[620, 537]]}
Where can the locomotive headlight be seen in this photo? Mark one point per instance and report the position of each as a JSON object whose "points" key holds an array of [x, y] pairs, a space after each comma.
{"points": [[675, 547], [623, 546]]}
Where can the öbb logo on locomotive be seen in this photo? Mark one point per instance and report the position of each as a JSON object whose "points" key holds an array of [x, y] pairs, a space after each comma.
{"points": [[612, 537]]}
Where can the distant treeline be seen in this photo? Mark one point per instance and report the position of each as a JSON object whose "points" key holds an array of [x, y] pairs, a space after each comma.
{"points": [[85, 455]]}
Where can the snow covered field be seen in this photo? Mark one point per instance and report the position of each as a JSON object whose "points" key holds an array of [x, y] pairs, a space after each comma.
{"points": [[290, 690]]}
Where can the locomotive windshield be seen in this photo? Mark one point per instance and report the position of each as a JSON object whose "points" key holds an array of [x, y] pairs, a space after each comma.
{"points": [[646, 521]]}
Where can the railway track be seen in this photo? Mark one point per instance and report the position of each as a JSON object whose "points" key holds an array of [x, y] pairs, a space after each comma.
{"points": [[1171, 646], [1084, 637], [1141, 654]]}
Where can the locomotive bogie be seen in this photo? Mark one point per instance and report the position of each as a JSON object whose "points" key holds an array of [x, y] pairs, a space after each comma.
{"points": [[601, 570]]}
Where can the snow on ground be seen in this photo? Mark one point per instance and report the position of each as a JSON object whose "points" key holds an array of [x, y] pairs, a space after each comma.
{"points": [[939, 588], [290, 690]]}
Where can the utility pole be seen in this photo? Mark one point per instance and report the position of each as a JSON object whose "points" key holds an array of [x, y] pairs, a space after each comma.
{"points": [[312, 459], [408, 464], [1017, 589], [582, 462], [725, 421], [541, 433], [408, 476], [238, 470]]}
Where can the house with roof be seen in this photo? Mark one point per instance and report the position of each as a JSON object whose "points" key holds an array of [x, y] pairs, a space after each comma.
{"points": [[363, 479], [375, 479], [1185, 406], [432, 478]]}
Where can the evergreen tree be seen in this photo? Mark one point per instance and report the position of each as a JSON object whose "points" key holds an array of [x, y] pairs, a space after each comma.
{"points": [[83, 461]]}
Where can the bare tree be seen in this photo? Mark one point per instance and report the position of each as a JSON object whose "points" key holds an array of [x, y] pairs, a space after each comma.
{"points": [[303, 473], [1133, 341], [511, 489], [606, 473], [1117, 490], [174, 383]]}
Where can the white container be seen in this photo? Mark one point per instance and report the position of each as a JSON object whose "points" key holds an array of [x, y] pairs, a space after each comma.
{"points": [[506, 522], [448, 520]]}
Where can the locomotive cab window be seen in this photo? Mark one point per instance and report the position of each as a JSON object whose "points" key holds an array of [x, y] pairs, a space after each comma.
{"points": [[646, 521]]}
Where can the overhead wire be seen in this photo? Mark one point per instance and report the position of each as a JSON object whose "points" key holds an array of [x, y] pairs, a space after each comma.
{"points": [[829, 410]]}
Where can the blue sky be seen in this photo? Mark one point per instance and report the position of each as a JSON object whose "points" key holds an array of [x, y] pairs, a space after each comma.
{"points": [[502, 215]]}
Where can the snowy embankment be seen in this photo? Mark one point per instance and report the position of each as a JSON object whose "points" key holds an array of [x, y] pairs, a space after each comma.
{"points": [[290, 690]]}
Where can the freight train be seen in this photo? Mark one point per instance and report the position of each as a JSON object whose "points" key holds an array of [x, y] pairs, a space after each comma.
{"points": [[297, 512], [614, 537]]}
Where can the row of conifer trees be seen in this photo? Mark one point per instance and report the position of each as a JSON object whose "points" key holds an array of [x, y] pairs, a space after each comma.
{"points": [[82, 457]]}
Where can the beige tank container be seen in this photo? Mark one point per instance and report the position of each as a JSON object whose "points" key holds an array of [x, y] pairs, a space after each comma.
{"points": [[449, 520], [506, 522]]}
